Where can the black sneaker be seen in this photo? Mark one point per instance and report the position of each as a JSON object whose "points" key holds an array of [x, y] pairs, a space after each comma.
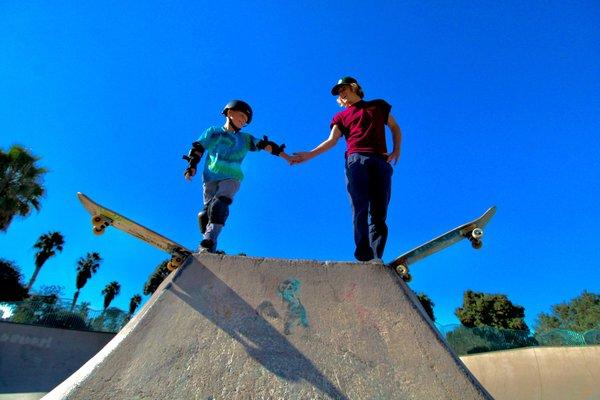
{"points": [[206, 246]]}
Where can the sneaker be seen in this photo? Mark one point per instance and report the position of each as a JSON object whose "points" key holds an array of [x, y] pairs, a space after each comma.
{"points": [[206, 246]]}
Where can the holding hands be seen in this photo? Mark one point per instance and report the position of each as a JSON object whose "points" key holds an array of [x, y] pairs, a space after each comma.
{"points": [[300, 157]]}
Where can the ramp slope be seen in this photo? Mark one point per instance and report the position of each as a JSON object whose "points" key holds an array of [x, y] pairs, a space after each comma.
{"points": [[226, 327]]}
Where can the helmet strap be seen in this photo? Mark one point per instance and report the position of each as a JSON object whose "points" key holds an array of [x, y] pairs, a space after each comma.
{"points": [[231, 124]]}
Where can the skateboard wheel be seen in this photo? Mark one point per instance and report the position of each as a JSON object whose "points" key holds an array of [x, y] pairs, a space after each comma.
{"points": [[97, 220], [170, 266], [176, 261], [477, 244], [98, 230], [477, 233], [402, 270]]}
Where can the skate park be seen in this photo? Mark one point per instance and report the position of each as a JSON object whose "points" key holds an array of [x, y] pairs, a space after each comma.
{"points": [[295, 329]]}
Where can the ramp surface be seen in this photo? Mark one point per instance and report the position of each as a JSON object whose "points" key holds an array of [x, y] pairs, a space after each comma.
{"points": [[539, 373], [224, 327]]}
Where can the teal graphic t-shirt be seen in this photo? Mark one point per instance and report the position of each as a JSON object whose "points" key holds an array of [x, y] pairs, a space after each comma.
{"points": [[225, 152]]}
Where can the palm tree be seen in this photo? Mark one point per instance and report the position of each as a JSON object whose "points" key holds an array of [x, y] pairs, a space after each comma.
{"points": [[110, 291], [134, 303], [20, 184], [86, 267], [48, 244]]}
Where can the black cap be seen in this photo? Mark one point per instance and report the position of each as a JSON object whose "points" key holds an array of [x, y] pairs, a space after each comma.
{"points": [[347, 80]]}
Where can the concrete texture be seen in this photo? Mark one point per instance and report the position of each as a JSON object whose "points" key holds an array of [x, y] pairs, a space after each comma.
{"points": [[548, 373], [37, 358], [226, 327]]}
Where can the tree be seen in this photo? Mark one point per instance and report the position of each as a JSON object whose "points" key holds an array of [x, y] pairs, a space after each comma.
{"points": [[20, 184], [11, 285], [48, 244], [427, 305], [110, 292], [579, 315], [86, 267], [495, 310], [154, 281], [134, 303]]}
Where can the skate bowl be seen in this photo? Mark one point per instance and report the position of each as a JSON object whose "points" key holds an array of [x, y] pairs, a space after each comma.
{"points": [[223, 327], [535, 373]]}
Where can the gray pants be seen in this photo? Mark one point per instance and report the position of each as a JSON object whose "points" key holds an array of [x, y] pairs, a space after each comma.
{"points": [[218, 195]]}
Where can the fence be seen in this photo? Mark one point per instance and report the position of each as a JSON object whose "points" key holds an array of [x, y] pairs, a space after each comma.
{"points": [[484, 339], [57, 313]]}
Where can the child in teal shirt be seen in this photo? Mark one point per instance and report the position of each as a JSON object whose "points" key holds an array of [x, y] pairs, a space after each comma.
{"points": [[225, 148]]}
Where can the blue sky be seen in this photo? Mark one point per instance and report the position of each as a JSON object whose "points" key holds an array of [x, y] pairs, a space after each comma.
{"points": [[498, 104]]}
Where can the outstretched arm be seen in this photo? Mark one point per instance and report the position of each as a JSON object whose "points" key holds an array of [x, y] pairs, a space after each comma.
{"points": [[397, 139], [193, 158], [330, 142]]}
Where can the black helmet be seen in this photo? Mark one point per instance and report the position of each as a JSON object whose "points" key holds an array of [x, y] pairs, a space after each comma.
{"points": [[239, 105]]}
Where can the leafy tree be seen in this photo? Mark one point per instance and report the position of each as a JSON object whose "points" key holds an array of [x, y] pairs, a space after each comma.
{"points": [[51, 290], [114, 319], [485, 338], [110, 292], [63, 319], [111, 320], [427, 305], [20, 184], [34, 308], [83, 309], [11, 286], [86, 267], [580, 315], [495, 310], [154, 281], [48, 244]]}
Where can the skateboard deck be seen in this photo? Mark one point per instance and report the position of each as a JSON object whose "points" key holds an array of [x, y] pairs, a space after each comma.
{"points": [[473, 231], [103, 217]]}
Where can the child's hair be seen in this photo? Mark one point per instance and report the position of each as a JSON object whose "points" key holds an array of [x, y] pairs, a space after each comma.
{"points": [[355, 87]]}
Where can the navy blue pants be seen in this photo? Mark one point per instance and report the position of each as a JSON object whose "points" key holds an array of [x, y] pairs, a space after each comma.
{"points": [[369, 184]]}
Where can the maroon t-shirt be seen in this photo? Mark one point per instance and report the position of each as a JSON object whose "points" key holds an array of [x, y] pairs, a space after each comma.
{"points": [[363, 126]]}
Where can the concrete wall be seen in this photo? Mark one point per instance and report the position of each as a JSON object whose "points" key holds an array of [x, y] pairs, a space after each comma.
{"points": [[548, 373], [37, 358]]}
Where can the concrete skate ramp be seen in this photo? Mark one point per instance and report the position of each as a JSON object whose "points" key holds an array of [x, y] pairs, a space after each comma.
{"points": [[539, 373], [225, 327]]}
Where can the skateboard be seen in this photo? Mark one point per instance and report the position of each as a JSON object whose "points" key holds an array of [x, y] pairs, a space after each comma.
{"points": [[103, 217], [473, 231]]}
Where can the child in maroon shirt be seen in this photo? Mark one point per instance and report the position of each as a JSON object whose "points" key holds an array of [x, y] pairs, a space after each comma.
{"points": [[368, 163]]}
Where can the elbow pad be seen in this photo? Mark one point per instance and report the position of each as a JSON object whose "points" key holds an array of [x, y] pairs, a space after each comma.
{"points": [[194, 155]]}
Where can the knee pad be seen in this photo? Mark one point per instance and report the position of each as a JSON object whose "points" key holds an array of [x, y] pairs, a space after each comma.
{"points": [[203, 220], [219, 210]]}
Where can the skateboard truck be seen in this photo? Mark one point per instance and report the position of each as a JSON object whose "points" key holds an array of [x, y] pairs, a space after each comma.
{"points": [[100, 223], [402, 270], [177, 258]]}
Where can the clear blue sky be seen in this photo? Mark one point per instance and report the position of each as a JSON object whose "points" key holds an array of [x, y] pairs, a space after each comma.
{"points": [[498, 103]]}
